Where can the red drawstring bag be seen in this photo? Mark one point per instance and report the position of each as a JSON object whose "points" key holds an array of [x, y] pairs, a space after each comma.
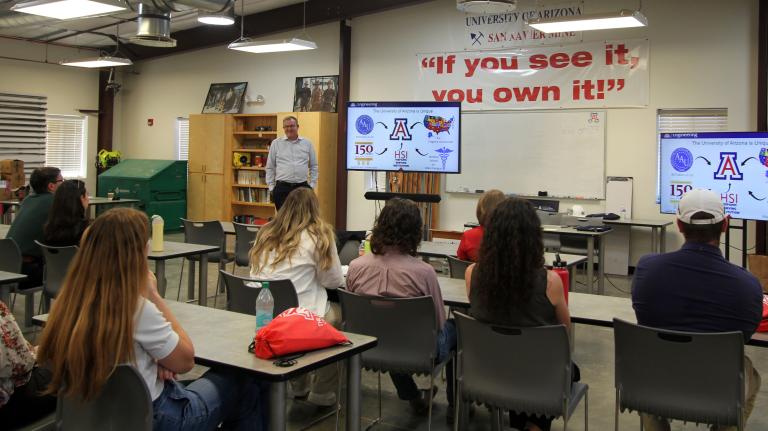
{"points": [[763, 326], [295, 330]]}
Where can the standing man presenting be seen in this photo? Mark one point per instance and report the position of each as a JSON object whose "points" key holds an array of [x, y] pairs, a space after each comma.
{"points": [[291, 159]]}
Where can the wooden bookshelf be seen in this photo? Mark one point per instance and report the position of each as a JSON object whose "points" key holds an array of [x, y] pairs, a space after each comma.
{"points": [[242, 190]]}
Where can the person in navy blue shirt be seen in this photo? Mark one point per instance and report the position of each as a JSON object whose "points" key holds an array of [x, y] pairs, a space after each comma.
{"points": [[695, 289]]}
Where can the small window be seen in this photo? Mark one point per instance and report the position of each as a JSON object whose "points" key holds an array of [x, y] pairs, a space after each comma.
{"points": [[65, 144], [682, 121], [182, 138]]}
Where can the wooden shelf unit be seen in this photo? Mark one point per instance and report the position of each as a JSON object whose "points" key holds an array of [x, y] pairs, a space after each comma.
{"points": [[242, 191]]}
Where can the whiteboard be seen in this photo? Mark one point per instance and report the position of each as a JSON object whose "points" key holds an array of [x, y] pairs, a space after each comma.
{"points": [[560, 152]]}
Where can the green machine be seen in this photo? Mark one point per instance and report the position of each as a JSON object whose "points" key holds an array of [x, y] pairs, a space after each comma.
{"points": [[161, 185]]}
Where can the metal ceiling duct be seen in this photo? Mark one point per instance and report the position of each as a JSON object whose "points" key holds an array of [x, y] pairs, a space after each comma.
{"points": [[18, 19], [154, 28]]}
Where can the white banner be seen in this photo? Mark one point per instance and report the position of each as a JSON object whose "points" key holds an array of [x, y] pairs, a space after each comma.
{"points": [[509, 30], [587, 75]]}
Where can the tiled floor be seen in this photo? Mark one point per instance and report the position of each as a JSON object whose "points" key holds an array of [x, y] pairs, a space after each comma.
{"points": [[593, 352]]}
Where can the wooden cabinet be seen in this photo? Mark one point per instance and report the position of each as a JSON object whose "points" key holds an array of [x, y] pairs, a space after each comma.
{"points": [[208, 136], [205, 201], [227, 155]]}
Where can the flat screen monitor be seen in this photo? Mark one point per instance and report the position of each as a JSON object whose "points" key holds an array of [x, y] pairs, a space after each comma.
{"points": [[733, 164], [404, 136]]}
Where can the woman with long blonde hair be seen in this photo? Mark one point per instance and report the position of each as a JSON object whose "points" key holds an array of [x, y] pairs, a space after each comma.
{"points": [[109, 312], [300, 246]]}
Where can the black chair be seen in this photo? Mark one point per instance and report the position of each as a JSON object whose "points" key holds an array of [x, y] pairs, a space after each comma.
{"points": [[10, 261], [527, 370], [406, 329], [206, 233], [349, 251], [694, 377], [124, 403], [457, 267], [242, 294], [57, 260], [245, 235]]}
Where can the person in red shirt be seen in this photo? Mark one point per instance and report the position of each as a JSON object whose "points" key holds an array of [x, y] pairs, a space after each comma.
{"points": [[471, 239]]}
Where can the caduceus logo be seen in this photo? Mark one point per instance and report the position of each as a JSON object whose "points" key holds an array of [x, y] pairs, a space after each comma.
{"points": [[444, 153]]}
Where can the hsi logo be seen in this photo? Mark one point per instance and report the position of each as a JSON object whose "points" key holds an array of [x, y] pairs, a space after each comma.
{"points": [[401, 130], [728, 169]]}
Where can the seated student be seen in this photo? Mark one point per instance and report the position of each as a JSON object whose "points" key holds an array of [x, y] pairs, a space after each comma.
{"points": [[20, 380], [67, 219], [696, 289], [28, 224], [300, 246], [109, 312], [510, 286], [394, 270], [471, 239]]}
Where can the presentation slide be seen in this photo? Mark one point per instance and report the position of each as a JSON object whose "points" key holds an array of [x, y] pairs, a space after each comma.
{"points": [[407, 136], [733, 164]]}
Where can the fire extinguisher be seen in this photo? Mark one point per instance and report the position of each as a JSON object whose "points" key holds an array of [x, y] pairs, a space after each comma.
{"points": [[560, 268]]}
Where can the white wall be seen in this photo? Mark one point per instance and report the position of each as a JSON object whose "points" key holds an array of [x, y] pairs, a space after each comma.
{"points": [[175, 86], [67, 88], [703, 54]]}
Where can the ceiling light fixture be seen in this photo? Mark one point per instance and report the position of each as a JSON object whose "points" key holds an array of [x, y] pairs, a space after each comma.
{"points": [[67, 9], [603, 21], [100, 61], [111, 60], [264, 46], [224, 17]]}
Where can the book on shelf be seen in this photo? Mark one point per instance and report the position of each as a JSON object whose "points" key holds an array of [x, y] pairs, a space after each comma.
{"points": [[251, 178]]}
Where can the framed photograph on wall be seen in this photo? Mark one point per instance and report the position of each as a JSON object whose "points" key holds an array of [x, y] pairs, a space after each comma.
{"points": [[316, 93], [225, 98]]}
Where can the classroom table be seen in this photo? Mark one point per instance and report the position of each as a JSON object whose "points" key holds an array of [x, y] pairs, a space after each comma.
{"points": [[7, 278], [4, 230], [173, 250], [591, 238], [229, 227], [94, 201], [585, 308], [658, 231], [221, 338], [443, 249]]}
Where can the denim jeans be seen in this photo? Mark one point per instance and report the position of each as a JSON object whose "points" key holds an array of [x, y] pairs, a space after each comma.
{"points": [[219, 396], [446, 343]]}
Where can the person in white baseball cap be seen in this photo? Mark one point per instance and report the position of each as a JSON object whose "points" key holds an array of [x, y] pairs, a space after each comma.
{"points": [[696, 289], [697, 203]]}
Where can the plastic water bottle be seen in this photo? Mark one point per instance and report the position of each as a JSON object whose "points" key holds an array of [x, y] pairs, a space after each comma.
{"points": [[265, 306], [157, 233]]}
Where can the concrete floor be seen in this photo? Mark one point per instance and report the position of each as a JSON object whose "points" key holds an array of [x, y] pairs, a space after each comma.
{"points": [[593, 352]]}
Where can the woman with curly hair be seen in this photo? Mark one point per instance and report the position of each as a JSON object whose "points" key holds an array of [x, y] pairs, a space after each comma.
{"points": [[68, 217], [393, 270], [300, 246], [510, 286]]}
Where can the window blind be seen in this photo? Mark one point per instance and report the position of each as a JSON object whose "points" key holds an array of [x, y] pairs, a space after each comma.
{"points": [[22, 129], [182, 138], [683, 121], [66, 144]]}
